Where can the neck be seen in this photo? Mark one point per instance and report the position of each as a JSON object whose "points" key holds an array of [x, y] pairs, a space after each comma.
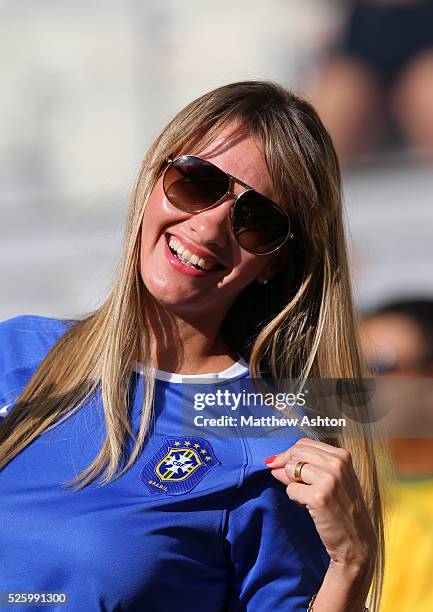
{"points": [[186, 344]]}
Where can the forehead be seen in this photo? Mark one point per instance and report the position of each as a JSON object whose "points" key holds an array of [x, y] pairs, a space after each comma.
{"points": [[394, 333], [235, 152]]}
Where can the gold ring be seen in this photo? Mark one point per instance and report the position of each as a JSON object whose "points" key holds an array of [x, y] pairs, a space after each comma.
{"points": [[298, 468]]}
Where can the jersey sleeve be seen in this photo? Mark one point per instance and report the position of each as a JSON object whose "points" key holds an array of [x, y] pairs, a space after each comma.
{"points": [[277, 560], [27, 338], [24, 342]]}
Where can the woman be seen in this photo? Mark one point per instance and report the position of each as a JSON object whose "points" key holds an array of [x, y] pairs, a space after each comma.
{"points": [[234, 265]]}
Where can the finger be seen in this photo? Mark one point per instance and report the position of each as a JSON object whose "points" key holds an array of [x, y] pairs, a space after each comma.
{"points": [[326, 487], [329, 448], [337, 460], [310, 473], [315, 499], [307, 452], [282, 458], [300, 494], [331, 463], [298, 451]]}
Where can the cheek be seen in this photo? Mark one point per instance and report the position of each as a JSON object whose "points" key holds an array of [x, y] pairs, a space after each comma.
{"points": [[158, 216], [153, 214], [248, 268]]}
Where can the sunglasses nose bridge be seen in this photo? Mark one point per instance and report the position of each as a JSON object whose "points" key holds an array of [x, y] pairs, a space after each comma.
{"points": [[234, 196], [240, 187]]}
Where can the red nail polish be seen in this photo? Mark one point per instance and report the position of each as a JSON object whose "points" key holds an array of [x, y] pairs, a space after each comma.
{"points": [[270, 459]]}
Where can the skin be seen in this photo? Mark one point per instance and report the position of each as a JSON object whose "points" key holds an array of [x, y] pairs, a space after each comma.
{"points": [[192, 310], [393, 336]]}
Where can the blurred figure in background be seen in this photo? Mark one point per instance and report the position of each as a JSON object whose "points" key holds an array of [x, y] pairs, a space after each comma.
{"points": [[398, 342], [377, 80]]}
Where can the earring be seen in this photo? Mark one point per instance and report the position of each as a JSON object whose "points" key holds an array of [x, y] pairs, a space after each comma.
{"points": [[264, 281]]}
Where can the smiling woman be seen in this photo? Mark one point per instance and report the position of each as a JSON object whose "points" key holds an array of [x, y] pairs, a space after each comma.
{"points": [[234, 264], [175, 238]]}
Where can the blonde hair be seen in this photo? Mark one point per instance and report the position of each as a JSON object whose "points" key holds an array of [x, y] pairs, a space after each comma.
{"points": [[301, 324]]}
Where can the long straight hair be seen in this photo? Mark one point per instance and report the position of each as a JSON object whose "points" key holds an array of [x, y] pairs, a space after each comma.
{"points": [[301, 324]]}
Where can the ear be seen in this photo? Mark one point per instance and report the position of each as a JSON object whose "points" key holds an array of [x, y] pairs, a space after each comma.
{"points": [[278, 261]]}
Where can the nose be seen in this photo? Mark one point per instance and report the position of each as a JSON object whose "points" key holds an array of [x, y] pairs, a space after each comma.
{"points": [[212, 226]]}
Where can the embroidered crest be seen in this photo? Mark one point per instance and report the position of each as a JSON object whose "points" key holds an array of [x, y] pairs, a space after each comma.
{"points": [[178, 465]]}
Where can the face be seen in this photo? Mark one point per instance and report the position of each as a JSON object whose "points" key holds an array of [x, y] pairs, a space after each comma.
{"points": [[394, 345], [393, 342], [207, 234]]}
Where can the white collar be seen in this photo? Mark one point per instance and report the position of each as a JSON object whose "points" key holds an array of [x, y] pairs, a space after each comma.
{"points": [[236, 369]]}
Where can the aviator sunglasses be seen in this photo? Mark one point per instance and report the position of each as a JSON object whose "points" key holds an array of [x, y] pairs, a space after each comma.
{"points": [[193, 184]]}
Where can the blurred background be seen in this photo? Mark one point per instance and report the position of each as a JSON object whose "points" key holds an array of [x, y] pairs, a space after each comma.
{"points": [[88, 85]]}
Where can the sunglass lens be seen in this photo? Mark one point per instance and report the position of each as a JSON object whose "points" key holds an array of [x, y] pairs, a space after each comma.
{"points": [[259, 225], [192, 184]]}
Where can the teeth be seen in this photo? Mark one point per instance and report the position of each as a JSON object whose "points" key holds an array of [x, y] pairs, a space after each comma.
{"points": [[187, 257]]}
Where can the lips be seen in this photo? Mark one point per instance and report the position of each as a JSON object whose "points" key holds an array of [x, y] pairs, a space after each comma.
{"points": [[195, 250], [184, 269]]}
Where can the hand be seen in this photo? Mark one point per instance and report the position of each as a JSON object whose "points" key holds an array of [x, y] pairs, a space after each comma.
{"points": [[332, 495]]}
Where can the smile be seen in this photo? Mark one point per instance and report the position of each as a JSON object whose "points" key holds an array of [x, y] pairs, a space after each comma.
{"points": [[186, 257], [190, 260]]}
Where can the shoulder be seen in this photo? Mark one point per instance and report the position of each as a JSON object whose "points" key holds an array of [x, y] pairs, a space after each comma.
{"points": [[26, 339], [266, 429], [271, 443]]}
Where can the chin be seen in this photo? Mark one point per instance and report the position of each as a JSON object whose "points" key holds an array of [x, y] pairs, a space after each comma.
{"points": [[167, 295]]}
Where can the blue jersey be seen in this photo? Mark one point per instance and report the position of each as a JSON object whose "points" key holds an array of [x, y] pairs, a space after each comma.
{"points": [[197, 521]]}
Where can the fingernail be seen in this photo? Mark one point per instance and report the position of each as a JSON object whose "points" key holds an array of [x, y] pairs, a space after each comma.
{"points": [[270, 459]]}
